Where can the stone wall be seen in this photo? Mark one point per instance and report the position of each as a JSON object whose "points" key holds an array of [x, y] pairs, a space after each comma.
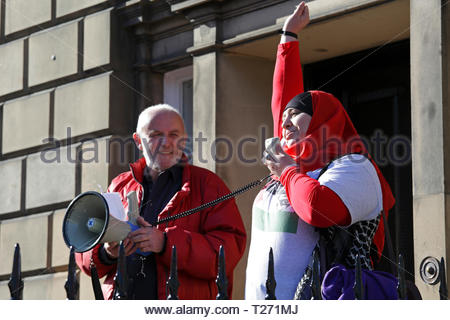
{"points": [[68, 89]]}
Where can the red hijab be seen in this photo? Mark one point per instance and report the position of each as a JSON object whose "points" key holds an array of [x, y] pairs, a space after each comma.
{"points": [[331, 134]]}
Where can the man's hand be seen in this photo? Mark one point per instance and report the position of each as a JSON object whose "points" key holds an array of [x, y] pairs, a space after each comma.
{"points": [[278, 160], [112, 248], [298, 19], [147, 238]]}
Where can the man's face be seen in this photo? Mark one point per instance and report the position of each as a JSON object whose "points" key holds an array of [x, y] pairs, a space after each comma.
{"points": [[295, 125], [162, 140]]}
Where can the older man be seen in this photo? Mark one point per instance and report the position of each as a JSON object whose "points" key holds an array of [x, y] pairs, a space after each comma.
{"points": [[166, 185]]}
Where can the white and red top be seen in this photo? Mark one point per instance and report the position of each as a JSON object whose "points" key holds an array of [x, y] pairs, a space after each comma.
{"points": [[286, 212]]}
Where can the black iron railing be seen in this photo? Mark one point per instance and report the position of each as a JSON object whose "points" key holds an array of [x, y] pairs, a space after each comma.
{"points": [[15, 283], [71, 286], [172, 283]]}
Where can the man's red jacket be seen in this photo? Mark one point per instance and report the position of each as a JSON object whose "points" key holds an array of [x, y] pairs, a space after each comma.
{"points": [[197, 237]]}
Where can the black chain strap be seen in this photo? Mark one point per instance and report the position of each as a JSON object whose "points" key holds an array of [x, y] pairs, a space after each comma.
{"points": [[214, 202]]}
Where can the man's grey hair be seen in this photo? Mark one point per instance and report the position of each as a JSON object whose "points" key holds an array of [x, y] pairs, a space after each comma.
{"points": [[148, 112]]}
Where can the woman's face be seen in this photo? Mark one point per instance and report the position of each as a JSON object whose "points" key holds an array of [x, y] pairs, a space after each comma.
{"points": [[295, 125]]}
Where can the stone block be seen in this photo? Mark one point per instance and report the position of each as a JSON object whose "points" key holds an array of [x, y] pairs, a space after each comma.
{"points": [[86, 291], [10, 185], [427, 106], [132, 2], [97, 39], [95, 165], [50, 177], [11, 63], [31, 233], [53, 53], [82, 106], [45, 287], [173, 46], [249, 78], [429, 218], [4, 290], [21, 14], [204, 115], [31, 115], [64, 7], [60, 251], [205, 34]]}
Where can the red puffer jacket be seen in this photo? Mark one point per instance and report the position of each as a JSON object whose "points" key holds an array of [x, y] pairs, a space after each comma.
{"points": [[197, 237]]}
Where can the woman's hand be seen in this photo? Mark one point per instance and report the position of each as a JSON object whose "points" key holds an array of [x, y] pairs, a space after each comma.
{"points": [[298, 19]]}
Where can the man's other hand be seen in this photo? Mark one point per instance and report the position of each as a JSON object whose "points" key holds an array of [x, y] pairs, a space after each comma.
{"points": [[147, 238], [112, 248]]}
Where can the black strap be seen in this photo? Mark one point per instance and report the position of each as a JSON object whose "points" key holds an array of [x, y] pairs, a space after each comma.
{"points": [[324, 169], [288, 33]]}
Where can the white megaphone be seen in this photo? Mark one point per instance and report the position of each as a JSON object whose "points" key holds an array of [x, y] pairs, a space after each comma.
{"points": [[92, 218]]}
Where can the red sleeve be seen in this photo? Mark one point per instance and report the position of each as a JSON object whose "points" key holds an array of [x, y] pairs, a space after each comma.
{"points": [[83, 260], [220, 225], [315, 204], [287, 81]]}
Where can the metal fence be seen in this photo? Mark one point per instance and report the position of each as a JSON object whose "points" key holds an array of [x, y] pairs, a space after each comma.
{"points": [[71, 286]]}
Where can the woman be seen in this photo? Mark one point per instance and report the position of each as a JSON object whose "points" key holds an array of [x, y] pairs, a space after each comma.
{"points": [[308, 189]]}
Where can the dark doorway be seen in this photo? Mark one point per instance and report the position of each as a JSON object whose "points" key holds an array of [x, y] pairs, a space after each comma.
{"points": [[374, 86]]}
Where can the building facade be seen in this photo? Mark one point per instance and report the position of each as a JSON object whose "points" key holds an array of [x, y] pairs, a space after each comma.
{"points": [[76, 74]]}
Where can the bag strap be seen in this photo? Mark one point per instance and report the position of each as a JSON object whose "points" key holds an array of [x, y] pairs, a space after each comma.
{"points": [[332, 249]]}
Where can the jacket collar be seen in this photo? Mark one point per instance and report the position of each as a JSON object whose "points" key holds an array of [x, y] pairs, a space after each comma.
{"points": [[137, 169]]}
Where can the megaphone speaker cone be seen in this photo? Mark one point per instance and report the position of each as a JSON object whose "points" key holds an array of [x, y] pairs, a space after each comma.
{"points": [[88, 222]]}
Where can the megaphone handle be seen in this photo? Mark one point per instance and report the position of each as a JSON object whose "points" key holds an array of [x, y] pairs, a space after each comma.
{"points": [[138, 251]]}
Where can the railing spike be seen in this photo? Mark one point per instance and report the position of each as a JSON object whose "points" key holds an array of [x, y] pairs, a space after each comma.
{"points": [[121, 277], [96, 282], [315, 281], [72, 284], [221, 280], [15, 283], [358, 287], [401, 288], [443, 291], [172, 282], [270, 282]]}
